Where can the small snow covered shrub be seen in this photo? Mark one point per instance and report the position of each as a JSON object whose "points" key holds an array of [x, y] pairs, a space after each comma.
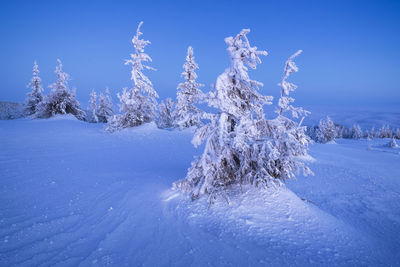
{"points": [[105, 107], [241, 145], [91, 113], [392, 143], [326, 131], [61, 100], [34, 97], [138, 105], [165, 119], [186, 114]]}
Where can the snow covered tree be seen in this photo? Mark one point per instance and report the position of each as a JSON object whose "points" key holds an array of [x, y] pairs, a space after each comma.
{"points": [[397, 134], [367, 135], [286, 140], [385, 132], [241, 146], [356, 132], [91, 114], [372, 133], [235, 95], [139, 103], [340, 129], [61, 100], [186, 114], [326, 131], [34, 97], [105, 109], [130, 104], [347, 133], [165, 119]]}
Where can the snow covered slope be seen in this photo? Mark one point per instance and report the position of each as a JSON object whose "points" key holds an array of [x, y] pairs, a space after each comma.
{"points": [[73, 195]]}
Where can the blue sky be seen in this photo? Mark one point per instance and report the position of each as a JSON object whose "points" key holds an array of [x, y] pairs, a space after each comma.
{"points": [[351, 48]]}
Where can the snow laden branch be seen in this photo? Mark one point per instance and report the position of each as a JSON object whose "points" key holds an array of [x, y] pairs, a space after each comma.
{"points": [[139, 103], [186, 114]]}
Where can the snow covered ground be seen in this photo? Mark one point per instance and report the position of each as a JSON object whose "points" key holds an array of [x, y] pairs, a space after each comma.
{"points": [[73, 195]]}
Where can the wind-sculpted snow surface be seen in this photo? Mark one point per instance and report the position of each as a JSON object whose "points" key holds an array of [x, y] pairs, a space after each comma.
{"points": [[73, 195]]}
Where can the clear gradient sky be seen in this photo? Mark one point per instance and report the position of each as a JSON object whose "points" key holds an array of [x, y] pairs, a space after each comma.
{"points": [[351, 48]]}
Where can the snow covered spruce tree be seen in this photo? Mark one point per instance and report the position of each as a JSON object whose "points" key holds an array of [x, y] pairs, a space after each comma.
{"points": [[91, 113], [186, 114], [397, 134], [61, 100], [367, 135], [326, 131], [34, 97], [356, 132], [105, 109], [241, 146], [339, 131], [372, 133], [139, 103], [385, 132], [165, 111]]}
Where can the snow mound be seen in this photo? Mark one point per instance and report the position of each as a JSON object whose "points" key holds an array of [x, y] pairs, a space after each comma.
{"points": [[277, 220], [392, 144], [333, 142], [306, 158], [62, 117]]}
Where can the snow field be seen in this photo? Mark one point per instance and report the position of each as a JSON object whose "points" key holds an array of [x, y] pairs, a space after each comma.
{"points": [[72, 195]]}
